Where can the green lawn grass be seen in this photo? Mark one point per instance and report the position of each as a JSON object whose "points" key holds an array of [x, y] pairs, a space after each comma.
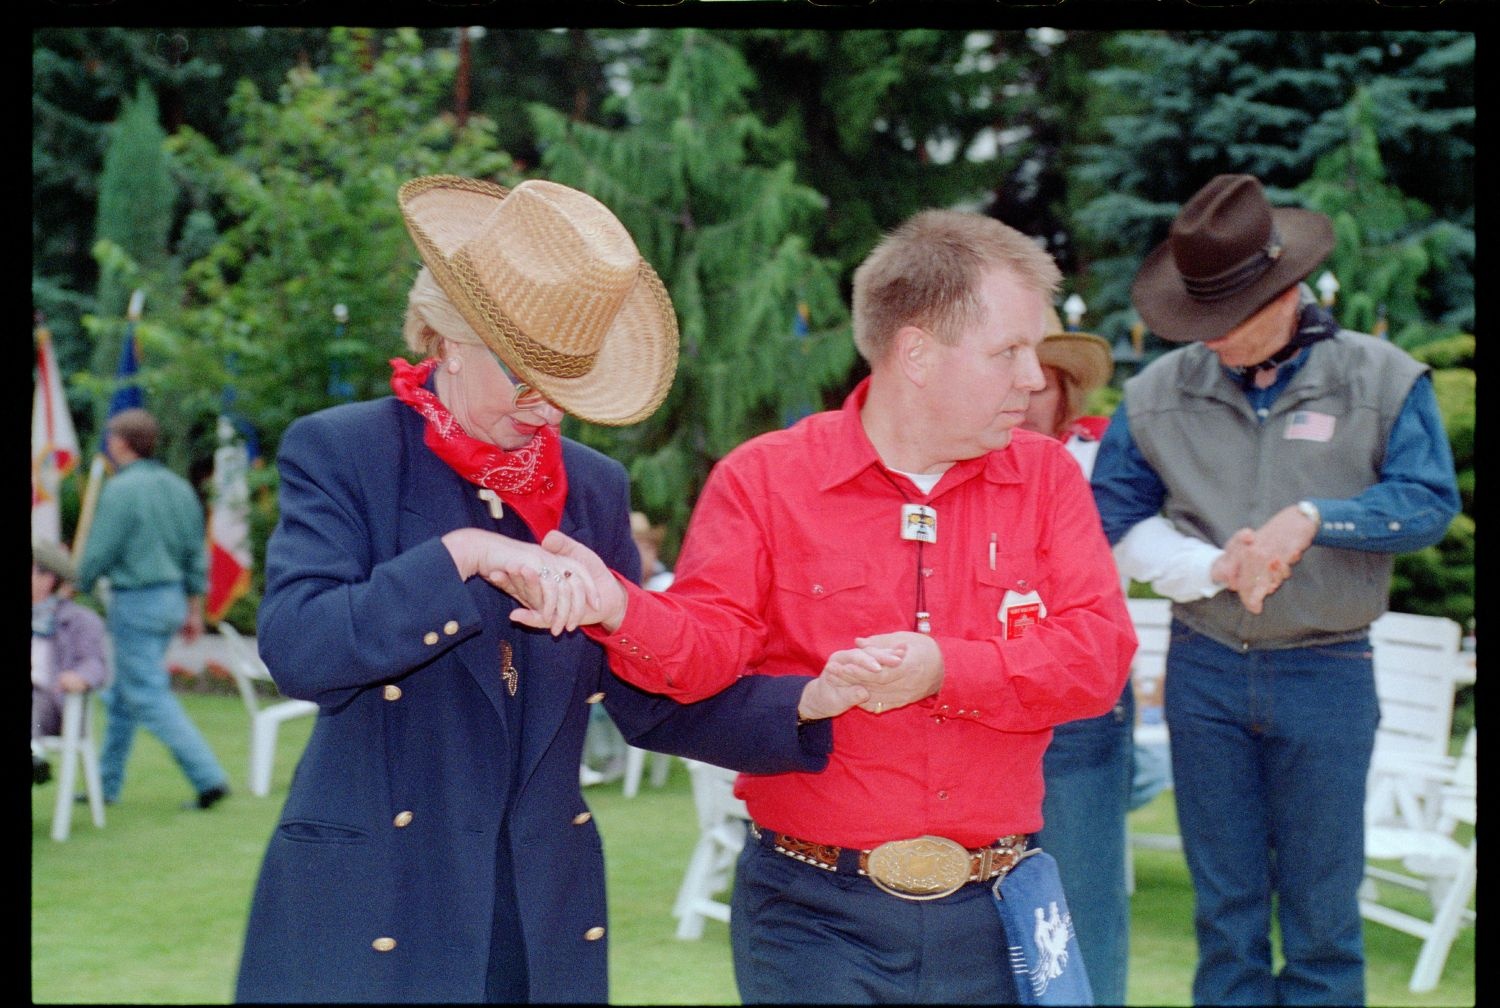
{"points": [[151, 909]]}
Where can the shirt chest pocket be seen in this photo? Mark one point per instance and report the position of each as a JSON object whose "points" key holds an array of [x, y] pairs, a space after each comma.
{"points": [[819, 580], [1013, 582], [823, 603]]}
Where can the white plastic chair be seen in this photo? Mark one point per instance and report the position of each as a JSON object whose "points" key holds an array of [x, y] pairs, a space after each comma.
{"points": [[76, 745], [722, 819], [1152, 619], [1417, 669], [247, 668], [1433, 859], [635, 766]]}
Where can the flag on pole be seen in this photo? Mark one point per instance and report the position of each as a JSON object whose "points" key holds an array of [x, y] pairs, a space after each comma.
{"points": [[127, 395], [800, 406], [54, 441], [228, 524]]}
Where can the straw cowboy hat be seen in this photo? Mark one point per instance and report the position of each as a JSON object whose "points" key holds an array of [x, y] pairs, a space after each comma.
{"points": [[641, 528], [52, 556], [1084, 357], [1229, 252], [553, 283]]}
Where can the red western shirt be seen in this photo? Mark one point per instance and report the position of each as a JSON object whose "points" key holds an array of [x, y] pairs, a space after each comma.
{"points": [[794, 550]]}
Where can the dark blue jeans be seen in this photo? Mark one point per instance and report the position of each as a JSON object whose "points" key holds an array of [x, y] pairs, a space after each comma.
{"points": [[1088, 773], [1270, 751], [804, 935]]}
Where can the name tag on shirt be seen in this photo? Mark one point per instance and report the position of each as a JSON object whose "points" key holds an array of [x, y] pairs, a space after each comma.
{"points": [[1018, 612]]}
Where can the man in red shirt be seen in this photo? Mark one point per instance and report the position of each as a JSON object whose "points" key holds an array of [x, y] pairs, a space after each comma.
{"points": [[948, 562]]}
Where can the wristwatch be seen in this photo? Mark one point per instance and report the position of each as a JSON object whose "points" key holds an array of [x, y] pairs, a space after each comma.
{"points": [[1310, 509]]}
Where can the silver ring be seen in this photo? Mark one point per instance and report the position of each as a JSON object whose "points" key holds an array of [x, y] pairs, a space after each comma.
{"points": [[548, 574]]}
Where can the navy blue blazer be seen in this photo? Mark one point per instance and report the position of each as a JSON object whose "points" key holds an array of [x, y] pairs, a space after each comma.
{"points": [[378, 882]]}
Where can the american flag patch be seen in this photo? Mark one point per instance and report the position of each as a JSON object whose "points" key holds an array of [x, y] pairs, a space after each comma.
{"points": [[1306, 425]]}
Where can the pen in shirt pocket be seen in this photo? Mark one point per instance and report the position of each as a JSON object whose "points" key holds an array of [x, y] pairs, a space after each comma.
{"points": [[992, 550]]}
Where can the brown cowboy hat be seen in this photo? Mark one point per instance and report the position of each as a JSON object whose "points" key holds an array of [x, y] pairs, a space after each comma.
{"points": [[1228, 254], [553, 283]]}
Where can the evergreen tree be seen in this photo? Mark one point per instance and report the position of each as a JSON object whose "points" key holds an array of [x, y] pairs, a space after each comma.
{"points": [[1345, 123], [1385, 244], [136, 197], [81, 79], [1181, 107], [709, 193], [307, 202], [885, 122]]}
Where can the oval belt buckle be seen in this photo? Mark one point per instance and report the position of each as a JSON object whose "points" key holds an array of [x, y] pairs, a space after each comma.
{"points": [[928, 867]]}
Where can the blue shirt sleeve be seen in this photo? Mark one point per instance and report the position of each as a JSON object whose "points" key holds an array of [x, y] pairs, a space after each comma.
{"points": [[1408, 509], [1126, 489], [1417, 496]]}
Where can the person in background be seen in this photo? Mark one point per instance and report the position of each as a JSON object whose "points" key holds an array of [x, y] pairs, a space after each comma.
{"points": [[917, 543], [605, 747], [69, 650], [435, 846], [147, 540], [1088, 765], [1309, 455], [648, 539]]}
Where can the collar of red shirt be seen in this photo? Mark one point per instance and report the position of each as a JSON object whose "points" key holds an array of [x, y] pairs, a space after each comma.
{"points": [[850, 453]]}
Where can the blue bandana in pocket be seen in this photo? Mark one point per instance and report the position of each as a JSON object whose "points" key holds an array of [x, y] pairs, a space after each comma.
{"points": [[1039, 934]]}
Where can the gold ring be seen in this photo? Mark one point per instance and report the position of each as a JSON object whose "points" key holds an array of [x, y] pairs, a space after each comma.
{"points": [[879, 706]]}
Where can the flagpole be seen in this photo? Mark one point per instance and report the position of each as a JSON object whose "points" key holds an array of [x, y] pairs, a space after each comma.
{"points": [[97, 468]]}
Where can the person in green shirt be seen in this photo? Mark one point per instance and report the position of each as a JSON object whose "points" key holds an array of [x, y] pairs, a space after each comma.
{"points": [[147, 540]]}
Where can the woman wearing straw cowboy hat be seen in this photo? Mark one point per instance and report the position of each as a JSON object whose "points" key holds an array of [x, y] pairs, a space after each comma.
{"points": [[435, 845]]}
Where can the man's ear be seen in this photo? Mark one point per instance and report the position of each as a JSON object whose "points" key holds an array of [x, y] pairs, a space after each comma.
{"points": [[913, 348]]}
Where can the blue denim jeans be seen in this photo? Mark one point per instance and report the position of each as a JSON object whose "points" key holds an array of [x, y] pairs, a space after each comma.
{"points": [[141, 622], [805, 935], [1270, 751], [1088, 773]]}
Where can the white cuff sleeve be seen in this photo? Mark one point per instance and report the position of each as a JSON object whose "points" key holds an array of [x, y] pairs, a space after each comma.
{"points": [[1175, 565]]}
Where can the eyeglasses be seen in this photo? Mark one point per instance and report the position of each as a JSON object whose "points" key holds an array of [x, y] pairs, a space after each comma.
{"points": [[526, 397]]}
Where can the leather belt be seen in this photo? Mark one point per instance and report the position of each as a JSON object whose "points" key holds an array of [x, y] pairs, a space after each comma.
{"points": [[922, 868]]}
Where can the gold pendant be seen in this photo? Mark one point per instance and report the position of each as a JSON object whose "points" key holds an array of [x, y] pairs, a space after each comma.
{"points": [[497, 510], [508, 671]]}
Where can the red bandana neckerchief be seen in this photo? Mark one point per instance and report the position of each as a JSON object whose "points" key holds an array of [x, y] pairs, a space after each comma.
{"points": [[530, 479]]}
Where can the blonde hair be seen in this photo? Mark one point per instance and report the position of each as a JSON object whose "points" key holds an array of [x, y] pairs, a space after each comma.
{"points": [[431, 316], [927, 270]]}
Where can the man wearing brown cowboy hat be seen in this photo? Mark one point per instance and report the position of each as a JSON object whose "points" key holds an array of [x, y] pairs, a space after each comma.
{"points": [[435, 846], [1314, 454]]}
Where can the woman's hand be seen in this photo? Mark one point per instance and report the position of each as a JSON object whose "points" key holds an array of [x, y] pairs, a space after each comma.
{"points": [[555, 592], [609, 609]]}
